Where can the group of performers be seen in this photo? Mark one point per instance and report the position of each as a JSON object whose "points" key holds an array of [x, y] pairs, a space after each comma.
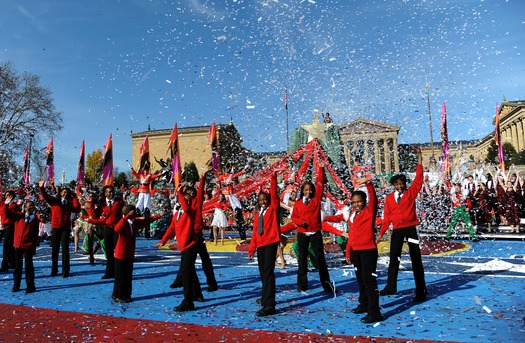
{"points": [[118, 223]]}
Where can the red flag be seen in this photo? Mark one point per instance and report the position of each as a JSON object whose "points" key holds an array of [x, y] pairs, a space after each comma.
{"points": [[214, 143], [499, 141], [107, 166], [144, 154], [49, 173], [445, 162], [27, 177], [173, 149], [81, 174]]}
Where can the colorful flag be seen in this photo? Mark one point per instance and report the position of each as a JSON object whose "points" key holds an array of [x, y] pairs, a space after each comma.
{"points": [[445, 159], [49, 172], [144, 154], [27, 176], [173, 149], [107, 166], [285, 99], [81, 173], [214, 143], [499, 141]]}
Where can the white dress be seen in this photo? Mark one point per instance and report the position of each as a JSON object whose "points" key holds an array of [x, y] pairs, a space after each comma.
{"points": [[219, 218]]}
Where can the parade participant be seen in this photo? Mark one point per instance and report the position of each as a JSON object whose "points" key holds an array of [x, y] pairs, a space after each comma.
{"points": [[361, 249], [144, 192], [8, 253], [182, 226], [26, 227], [306, 217], [226, 183], [460, 205], [126, 230], [220, 221], [400, 211], [91, 209], [265, 240], [111, 207], [207, 265], [61, 209]]}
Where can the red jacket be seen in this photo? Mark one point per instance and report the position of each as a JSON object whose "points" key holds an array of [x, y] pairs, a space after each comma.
{"points": [[12, 207], [110, 215], [361, 231], [60, 214], [125, 247], [271, 226], [197, 205], [145, 180], [26, 234], [403, 214], [310, 213], [182, 226]]}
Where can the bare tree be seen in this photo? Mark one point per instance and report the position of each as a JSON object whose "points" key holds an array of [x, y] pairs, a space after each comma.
{"points": [[26, 110]]}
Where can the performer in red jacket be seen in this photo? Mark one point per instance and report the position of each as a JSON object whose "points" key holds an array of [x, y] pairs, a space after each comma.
{"points": [[8, 227], [111, 215], [25, 242], [400, 211], [61, 209], [361, 249], [126, 229], [266, 236], [207, 266], [306, 217], [182, 226]]}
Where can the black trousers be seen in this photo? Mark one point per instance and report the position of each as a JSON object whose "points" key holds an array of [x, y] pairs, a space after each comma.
{"points": [[122, 286], [8, 253], [207, 266], [190, 280], [20, 255], [365, 263], [396, 245], [239, 222], [110, 240], [303, 242], [60, 237], [266, 261]]}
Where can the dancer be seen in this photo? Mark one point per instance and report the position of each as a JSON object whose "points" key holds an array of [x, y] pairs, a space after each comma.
{"points": [[361, 249], [400, 211], [126, 229], [8, 253], [226, 182], [460, 205], [182, 226], [220, 221], [61, 210], [143, 205], [207, 265], [306, 217], [265, 240]]}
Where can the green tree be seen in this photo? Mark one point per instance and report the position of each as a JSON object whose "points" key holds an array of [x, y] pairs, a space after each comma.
{"points": [[121, 179], [190, 173], [509, 153]]}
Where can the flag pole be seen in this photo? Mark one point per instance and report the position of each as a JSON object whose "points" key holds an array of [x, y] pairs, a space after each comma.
{"points": [[286, 108], [430, 124]]}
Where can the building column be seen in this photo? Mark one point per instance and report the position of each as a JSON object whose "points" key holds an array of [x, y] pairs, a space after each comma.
{"points": [[396, 154], [388, 159], [377, 158], [521, 134]]}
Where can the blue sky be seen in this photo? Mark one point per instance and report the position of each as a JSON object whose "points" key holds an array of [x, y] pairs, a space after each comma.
{"points": [[117, 66]]}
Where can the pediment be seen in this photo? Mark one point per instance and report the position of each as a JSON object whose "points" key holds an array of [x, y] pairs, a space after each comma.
{"points": [[363, 126]]}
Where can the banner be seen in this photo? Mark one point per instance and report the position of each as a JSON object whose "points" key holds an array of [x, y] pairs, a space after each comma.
{"points": [[107, 165]]}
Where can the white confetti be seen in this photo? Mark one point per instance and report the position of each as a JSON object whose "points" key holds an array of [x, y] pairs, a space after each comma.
{"points": [[488, 310]]}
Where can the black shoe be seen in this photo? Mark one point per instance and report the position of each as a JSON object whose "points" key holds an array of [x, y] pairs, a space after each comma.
{"points": [[212, 288], [386, 292], [301, 289], [266, 311], [176, 284], [105, 276], [30, 290], [4, 269], [369, 319], [53, 274], [183, 308], [15, 289], [199, 299], [329, 287], [65, 275], [419, 298], [113, 297], [359, 310], [122, 300], [258, 301]]}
